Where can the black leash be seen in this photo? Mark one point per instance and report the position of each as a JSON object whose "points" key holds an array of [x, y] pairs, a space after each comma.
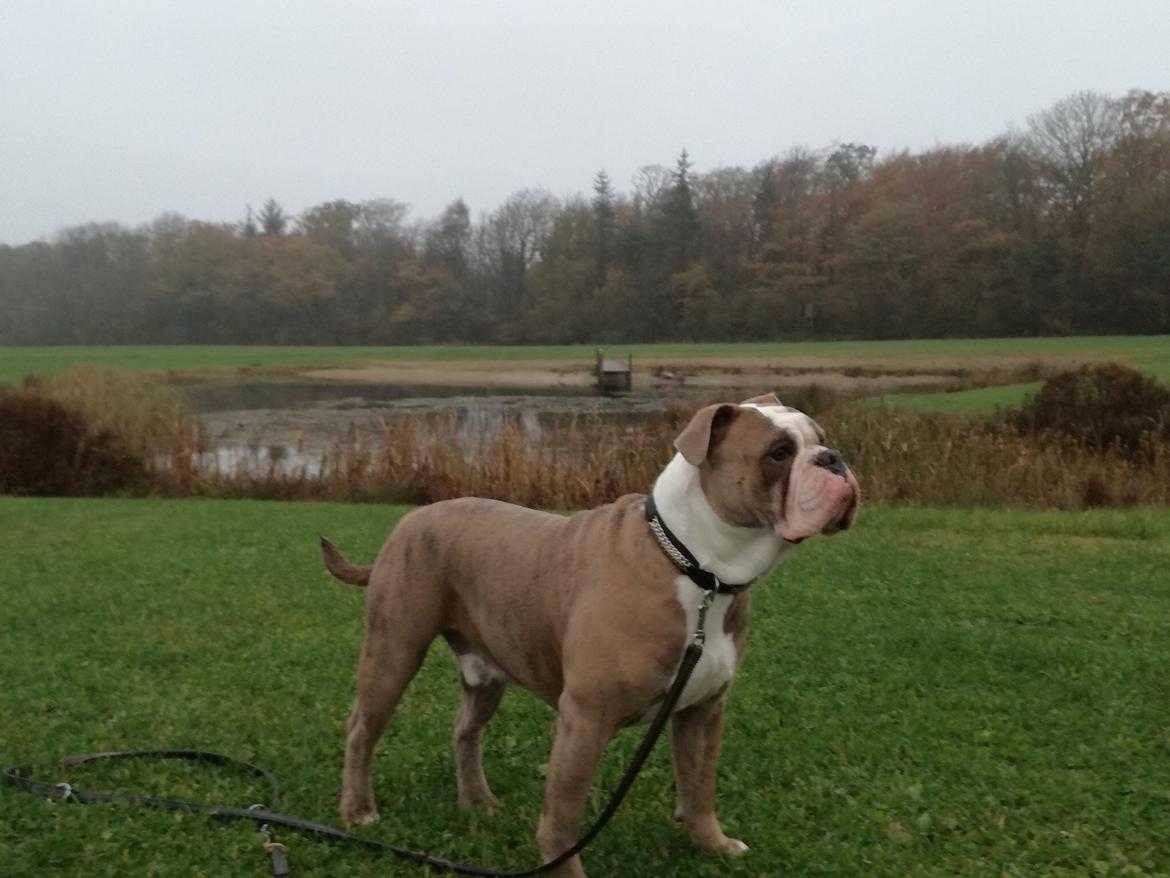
{"points": [[266, 816]]}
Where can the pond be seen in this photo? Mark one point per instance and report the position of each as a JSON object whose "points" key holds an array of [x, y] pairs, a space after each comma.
{"points": [[292, 424]]}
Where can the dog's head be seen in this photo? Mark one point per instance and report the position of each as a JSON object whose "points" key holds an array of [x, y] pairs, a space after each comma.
{"points": [[763, 464]]}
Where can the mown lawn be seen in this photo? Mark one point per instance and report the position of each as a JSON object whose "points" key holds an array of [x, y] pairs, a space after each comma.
{"points": [[937, 692], [1147, 352]]}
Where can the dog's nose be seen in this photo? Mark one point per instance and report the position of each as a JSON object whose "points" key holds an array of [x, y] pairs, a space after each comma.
{"points": [[831, 459]]}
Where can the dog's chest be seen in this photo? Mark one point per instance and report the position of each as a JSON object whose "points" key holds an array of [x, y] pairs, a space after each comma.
{"points": [[716, 666]]}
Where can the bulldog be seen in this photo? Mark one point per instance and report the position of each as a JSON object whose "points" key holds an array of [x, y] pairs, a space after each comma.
{"points": [[592, 612]]}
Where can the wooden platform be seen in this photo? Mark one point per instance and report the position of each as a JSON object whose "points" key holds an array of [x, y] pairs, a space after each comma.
{"points": [[614, 376]]}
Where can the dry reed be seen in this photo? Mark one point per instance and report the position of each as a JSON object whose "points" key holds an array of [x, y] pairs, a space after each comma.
{"points": [[897, 456], [983, 460], [149, 416]]}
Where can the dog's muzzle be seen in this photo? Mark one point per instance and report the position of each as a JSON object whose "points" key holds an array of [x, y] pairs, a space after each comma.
{"points": [[823, 496]]}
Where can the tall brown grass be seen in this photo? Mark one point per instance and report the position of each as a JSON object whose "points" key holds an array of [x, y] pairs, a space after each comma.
{"points": [[984, 460], [413, 459], [897, 457], [148, 418], [149, 415]]}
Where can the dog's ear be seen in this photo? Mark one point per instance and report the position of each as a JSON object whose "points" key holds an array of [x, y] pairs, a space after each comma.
{"points": [[766, 399], [704, 431]]}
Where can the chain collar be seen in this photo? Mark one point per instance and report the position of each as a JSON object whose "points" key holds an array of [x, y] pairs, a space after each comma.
{"points": [[682, 558]]}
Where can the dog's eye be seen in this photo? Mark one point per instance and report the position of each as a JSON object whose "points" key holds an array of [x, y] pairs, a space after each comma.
{"points": [[780, 453]]}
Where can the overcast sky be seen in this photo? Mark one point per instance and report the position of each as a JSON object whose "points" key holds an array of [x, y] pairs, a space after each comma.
{"points": [[124, 110]]}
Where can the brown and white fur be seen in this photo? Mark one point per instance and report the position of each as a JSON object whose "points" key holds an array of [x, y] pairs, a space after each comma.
{"points": [[588, 613]]}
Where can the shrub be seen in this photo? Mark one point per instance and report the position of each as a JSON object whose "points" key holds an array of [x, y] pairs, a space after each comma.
{"points": [[146, 413], [49, 449], [1099, 407]]}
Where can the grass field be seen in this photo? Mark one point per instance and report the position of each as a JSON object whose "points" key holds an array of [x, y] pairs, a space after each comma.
{"points": [[937, 692], [981, 399], [1148, 352]]}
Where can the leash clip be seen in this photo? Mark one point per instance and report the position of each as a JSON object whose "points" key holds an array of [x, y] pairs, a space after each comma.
{"points": [[700, 637], [277, 853]]}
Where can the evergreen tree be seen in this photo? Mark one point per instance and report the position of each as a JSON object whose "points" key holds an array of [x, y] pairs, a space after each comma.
{"points": [[273, 219], [248, 229], [604, 225], [680, 219]]}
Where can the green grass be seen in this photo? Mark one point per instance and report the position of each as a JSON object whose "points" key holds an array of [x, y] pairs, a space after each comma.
{"points": [[937, 692], [1148, 352], [961, 402]]}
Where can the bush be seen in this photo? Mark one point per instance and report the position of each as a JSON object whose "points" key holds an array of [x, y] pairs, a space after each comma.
{"points": [[1100, 407], [148, 415], [48, 449]]}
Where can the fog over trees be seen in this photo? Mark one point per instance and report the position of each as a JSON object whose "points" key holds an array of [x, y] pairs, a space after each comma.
{"points": [[1061, 227]]}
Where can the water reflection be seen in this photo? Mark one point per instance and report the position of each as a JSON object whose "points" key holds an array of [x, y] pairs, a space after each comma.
{"points": [[290, 426], [229, 459]]}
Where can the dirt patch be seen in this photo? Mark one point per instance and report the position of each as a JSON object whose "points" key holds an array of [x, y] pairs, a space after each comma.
{"points": [[489, 373], [739, 373]]}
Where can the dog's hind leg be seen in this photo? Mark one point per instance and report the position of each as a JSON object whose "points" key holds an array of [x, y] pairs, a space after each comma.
{"points": [[480, 700], [383, 675]]}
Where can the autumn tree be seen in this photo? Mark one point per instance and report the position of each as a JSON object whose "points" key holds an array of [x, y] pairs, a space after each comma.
{"points": [[287, 285], [448, 240], [1069, 142], [514, 235], [195, 281], [1063, 227], [331, 223]]}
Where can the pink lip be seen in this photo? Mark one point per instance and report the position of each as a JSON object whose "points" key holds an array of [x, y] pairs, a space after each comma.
{"points": [[834, 524]]}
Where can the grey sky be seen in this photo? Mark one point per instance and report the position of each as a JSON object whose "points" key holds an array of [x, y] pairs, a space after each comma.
{"points": [[124, 110]]}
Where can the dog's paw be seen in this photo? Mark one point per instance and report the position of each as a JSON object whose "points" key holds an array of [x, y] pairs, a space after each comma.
{"points": [[721, 844], [733, 846], [367, 819], [480, 802], [359, 816]]}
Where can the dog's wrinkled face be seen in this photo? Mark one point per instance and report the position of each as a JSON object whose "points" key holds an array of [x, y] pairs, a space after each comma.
{"points": [[762, 464]]}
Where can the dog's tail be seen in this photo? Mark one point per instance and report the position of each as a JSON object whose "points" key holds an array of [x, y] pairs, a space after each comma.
{"points": [[337, 564]]}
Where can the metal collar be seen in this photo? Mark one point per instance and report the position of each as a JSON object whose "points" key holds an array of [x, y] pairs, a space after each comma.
{"points": [[682, 558]]}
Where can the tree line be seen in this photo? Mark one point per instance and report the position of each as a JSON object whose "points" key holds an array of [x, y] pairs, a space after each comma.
{"points": [[1062, 227]]}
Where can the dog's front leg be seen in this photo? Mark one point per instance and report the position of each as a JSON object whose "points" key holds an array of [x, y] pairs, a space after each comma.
{"points": [[696, 736], [581, 736]]}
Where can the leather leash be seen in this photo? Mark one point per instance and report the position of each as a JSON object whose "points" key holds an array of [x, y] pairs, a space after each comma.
{"points": [[266, 816]]}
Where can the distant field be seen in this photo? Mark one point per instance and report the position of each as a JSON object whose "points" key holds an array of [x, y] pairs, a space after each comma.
{"points": [[1151, 352], [939, 691]]}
